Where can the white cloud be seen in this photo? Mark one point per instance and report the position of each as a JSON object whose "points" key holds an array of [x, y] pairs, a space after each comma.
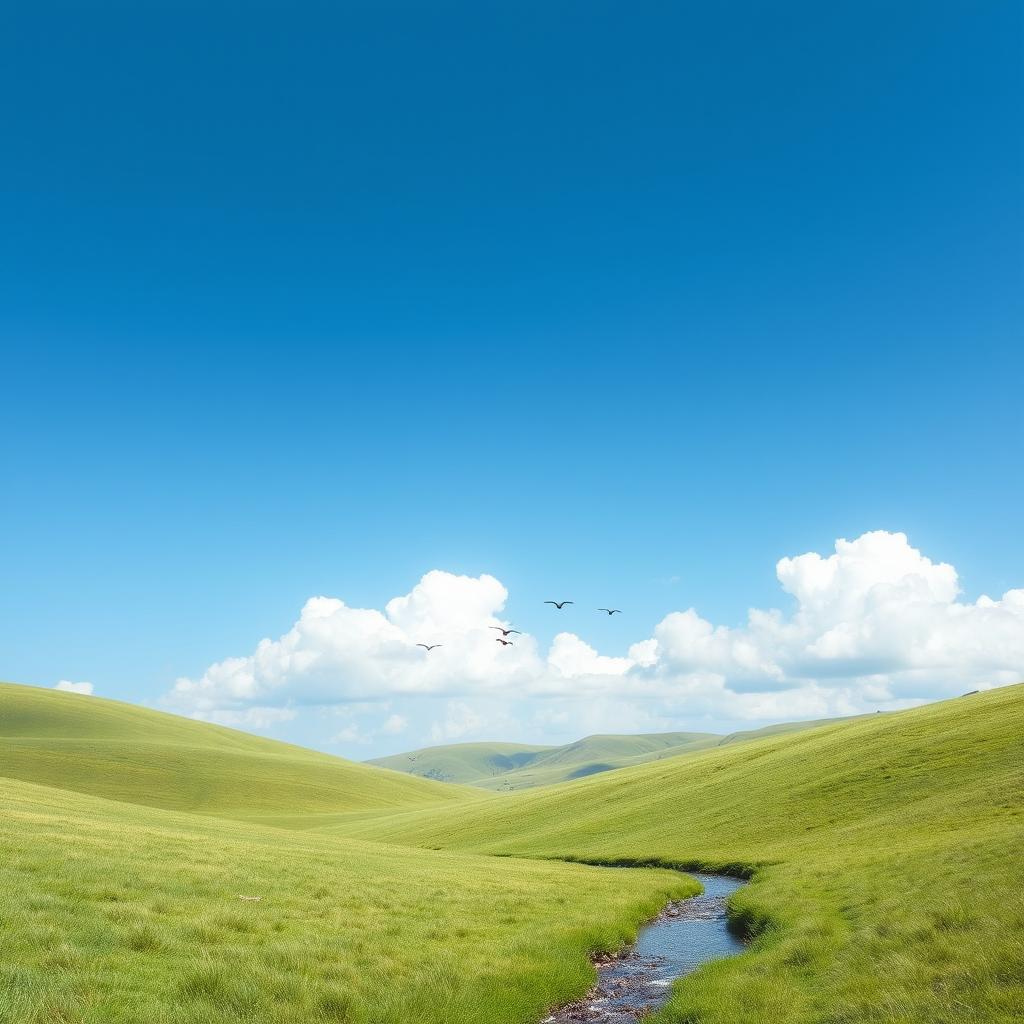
{"points": [[875, 620], [460, 720], [875, 624], [247, 718], [335, 653], [394, 724], [357, 730], [69, 687], [351, 734], [571, 657]]}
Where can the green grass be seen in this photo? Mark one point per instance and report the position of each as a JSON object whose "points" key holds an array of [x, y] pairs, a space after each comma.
{"points": [[511, 766], [886, 855], [462, 762], [514, 766], [122, 752], [118, 914], [783, 727], [889, 859], [595, 754]]}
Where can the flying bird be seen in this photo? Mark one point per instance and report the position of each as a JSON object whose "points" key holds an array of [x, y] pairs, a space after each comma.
{"points": [[505, 632], [610, 611], [507, 643], [429, 647], [559, 604]]}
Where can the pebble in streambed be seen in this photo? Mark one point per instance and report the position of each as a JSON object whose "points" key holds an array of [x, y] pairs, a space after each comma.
{"points": [[633, 983]]}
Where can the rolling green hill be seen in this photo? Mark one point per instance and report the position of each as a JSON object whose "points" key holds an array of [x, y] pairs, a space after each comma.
{"points": [[116, 911], [472, 763], [783, 727], [122, 752], [886, 855], [593, 755], [508, 766], [888, 859]]}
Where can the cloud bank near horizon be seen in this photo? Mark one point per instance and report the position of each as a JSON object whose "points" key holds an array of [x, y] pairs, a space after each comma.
{"points": [[67, 686], [875, 625]]}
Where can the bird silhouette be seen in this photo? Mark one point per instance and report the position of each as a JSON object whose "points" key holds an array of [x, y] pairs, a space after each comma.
{"points": [[505, 632], [429, 647], [610, 611], [559, 604], [507, 643]]}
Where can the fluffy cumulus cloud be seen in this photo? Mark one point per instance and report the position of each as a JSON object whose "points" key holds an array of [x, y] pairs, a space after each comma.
{"points": [[873, 624], [875, 620], [335, 653], [69, 687]]}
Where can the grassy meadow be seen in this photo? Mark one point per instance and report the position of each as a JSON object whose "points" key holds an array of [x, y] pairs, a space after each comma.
{"points": [[887, 852], [116, 913], [886, 856]]}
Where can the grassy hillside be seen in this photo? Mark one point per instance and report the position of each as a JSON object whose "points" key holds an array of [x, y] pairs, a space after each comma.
{"points": [[886, 854], [462, 762], [122, 752], [889, 858], [509, 766], [113, 913], [783, 727], [593, 755]]}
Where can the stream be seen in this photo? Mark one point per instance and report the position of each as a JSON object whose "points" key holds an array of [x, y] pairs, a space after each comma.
{"points": [[638, 979]]}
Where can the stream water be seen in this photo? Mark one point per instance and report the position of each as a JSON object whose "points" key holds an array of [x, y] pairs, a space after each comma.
{"points": [[686, 934]]}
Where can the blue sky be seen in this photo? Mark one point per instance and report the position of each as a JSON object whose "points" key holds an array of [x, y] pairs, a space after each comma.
{"points": [[616, 302]]}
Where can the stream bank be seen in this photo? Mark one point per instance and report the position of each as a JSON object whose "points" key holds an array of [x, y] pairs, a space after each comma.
{"points": [[638, 979]]}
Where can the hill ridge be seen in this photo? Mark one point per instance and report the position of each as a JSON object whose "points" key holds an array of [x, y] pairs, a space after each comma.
{"points": [[487, 765], [125, 752]]}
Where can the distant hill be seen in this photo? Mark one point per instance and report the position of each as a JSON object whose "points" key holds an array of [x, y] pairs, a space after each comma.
{"points": [[124, 752], [511, 766], [472, 763], [521, 766]]}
